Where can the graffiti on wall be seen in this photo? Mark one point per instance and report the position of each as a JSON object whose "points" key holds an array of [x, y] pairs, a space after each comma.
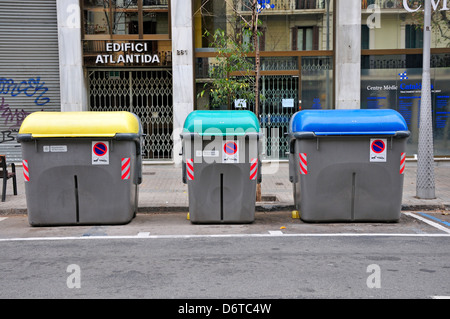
{"points": [[32, 87], [13, 117]]}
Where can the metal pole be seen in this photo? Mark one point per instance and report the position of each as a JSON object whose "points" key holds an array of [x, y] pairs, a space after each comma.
{"points": [[328, 25], [255, 16], [425, 186], [328, 48]]}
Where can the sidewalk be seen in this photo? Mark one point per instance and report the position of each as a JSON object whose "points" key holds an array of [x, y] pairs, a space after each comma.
{"points": [[163, 190]]}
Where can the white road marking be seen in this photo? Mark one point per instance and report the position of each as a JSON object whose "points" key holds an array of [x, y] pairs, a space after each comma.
{"points": [[272, 233], [143, 234], [219, 236], [275, 232], [429, 222]]}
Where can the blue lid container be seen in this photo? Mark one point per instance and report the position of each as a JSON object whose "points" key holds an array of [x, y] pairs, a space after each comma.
{"points": [[348, 122]]}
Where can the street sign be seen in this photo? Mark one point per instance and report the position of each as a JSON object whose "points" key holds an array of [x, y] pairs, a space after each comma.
{"points": [[100, 153], [378, 150], [230, 152]]}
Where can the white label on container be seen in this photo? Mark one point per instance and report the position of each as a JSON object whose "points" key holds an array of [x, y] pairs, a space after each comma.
{"points": [[58, 148], [210, 153], [55, 148]]}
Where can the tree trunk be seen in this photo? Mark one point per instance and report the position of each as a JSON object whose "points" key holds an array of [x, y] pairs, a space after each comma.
{"points": [[257, 72]]}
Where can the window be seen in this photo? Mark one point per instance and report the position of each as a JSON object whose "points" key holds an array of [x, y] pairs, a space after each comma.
{"points": [[306, 4], [96, 17], [365, 37], [288, 25], [305, 38], [247, 38], [126, 19], [413, 37]]}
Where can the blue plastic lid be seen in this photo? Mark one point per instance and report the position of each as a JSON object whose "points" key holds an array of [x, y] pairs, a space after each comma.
{"points": [[348, 122]]}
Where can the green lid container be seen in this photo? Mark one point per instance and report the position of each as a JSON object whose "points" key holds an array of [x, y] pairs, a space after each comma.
{"points": [[209, 123]]}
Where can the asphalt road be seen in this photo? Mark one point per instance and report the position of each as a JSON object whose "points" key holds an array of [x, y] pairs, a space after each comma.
{"points": [[228, 267], [165, 256]]}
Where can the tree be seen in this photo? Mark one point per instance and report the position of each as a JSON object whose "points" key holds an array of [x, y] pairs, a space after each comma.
{"points": [[255, 7], [440, 20], [233, 52], [232, 77]]}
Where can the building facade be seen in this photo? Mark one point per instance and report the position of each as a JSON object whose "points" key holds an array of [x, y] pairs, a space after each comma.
{"points": [[153, 57]]}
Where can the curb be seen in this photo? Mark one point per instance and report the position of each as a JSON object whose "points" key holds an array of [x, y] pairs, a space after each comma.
{"points": [[421, 207], [260, 207]]}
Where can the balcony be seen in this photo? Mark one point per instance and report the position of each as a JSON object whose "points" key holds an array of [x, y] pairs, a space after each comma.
{"points": [[288, 6], [382, 4], [124, 4], [156, 2], [289, 63]]}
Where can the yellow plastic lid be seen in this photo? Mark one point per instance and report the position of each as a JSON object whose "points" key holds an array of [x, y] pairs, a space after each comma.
{"points": [[79, 124]]}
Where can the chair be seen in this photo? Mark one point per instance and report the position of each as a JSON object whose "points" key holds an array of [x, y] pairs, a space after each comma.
{"points": [[7, 175]]}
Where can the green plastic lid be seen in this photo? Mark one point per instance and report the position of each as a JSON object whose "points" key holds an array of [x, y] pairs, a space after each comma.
{"points": [[221, 123]]}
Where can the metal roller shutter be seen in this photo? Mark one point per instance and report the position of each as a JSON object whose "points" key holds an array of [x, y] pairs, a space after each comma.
{"points": [[29, 66]]}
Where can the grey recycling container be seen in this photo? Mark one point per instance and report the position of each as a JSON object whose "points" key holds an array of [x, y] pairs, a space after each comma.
{"points": [[221, 165], [81, 168], [347, 165]]}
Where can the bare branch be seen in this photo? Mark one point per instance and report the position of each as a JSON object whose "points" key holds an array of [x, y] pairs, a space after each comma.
{"points": [[236, 11], [200, 10]]}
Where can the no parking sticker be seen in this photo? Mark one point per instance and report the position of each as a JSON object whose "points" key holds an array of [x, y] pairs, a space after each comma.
{"points": [[230, 152], [100, 153], [378, 150]]}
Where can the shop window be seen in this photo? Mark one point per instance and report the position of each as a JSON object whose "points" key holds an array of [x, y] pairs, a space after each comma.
{"points": [[394, 81]]}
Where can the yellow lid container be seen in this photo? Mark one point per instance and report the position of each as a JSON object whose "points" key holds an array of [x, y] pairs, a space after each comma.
{"points": [[78, 124]]}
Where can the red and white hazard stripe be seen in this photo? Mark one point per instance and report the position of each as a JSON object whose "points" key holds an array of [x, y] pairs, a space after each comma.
{"points": [[303, 162], [190, 169], [26, 172], [126, 168], [402, 163], [253, 168]]}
